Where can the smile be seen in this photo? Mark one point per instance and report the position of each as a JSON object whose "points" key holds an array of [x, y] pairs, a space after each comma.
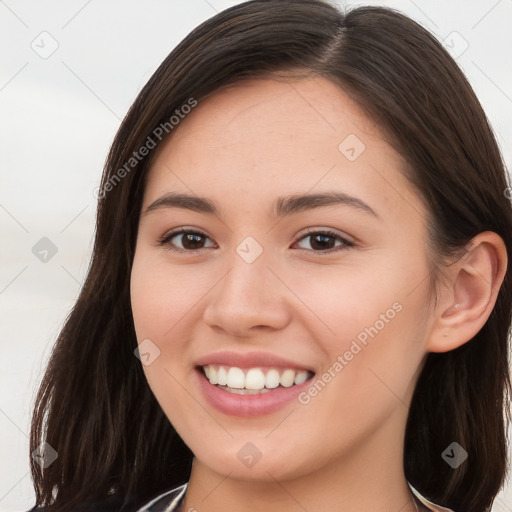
{"points": [[252, 381], [249, 384]]}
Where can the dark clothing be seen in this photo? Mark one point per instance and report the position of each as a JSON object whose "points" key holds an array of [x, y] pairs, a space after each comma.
{"points": [[170, 501], [113, 503], [109, 504]]}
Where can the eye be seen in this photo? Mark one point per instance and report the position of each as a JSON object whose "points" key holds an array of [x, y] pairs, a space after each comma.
{"points": [[325, 241], [190, 240]]}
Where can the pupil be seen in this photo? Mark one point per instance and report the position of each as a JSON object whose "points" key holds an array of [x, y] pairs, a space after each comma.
{"points": [[193, 239], [322, 244]]}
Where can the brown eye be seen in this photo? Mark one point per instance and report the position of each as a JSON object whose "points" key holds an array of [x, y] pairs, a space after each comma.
{"points": [[325, 241], [190, 240], [321, 242]]}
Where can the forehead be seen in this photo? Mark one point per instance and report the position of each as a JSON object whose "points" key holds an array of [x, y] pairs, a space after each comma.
{"points": [[252, 113], [266, 138]]}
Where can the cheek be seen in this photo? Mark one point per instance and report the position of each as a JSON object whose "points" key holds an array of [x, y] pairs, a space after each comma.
{"points": [[157, 307], [162, 302], [377, 324], [160, 298], [363, 384], [343, 301]]}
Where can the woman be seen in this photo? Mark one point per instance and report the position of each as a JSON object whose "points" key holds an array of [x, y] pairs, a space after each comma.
{"points": [[302, 236]]}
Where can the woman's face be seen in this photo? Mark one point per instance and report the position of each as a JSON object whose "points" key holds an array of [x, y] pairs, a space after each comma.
{"points": [[264, 296]]}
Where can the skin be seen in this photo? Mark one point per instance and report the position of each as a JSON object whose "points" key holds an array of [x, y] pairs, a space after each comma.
{"points": [[243, 147]]}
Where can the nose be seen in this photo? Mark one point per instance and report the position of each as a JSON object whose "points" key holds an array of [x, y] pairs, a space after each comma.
{"points": [[249, 299]]}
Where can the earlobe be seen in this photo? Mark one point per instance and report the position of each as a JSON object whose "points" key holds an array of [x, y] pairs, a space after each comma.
{"points": [[470, 293]]}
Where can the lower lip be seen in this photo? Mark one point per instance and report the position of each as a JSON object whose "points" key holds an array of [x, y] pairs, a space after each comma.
{"points": [[248, 405]]}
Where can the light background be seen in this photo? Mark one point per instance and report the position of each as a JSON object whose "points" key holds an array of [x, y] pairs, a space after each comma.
{"points": [[58, 117]]}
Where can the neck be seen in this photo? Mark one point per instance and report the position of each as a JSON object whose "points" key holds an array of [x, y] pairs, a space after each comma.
{"points": [[371, 477]]}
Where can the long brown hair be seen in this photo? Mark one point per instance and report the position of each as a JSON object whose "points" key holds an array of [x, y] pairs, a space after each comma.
{"points": [[94, 405]]}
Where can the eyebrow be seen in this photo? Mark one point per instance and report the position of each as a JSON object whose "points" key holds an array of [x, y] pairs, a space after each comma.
{"points": [[283, 206]]}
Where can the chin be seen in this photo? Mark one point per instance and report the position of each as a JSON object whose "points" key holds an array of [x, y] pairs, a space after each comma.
{"points": [[248, 464]]}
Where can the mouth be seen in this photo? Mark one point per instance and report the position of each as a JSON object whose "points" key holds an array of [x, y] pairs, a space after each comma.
{"points": [[253, 381]]}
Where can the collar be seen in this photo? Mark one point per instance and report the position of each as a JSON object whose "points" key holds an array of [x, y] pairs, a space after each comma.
{"points": [[170, 501]]}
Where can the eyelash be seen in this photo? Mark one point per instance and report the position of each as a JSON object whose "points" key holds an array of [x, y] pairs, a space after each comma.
{"points": [[165, 240]]}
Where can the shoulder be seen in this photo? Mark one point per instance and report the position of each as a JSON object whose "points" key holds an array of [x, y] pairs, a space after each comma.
{"points": [[168, 501]]}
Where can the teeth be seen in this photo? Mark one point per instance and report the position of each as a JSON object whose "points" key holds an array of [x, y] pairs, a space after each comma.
{"points": [[301, 377], [212, 375], [288, 378], [272, 379], [254, 379], [222, 376], [236, 378]]}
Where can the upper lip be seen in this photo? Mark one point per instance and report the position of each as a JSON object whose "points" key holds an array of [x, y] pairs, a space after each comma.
{"points": [[250, 360]]}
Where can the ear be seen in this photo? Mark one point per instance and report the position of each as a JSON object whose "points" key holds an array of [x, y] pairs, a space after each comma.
{"points": [[469, 293]]}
